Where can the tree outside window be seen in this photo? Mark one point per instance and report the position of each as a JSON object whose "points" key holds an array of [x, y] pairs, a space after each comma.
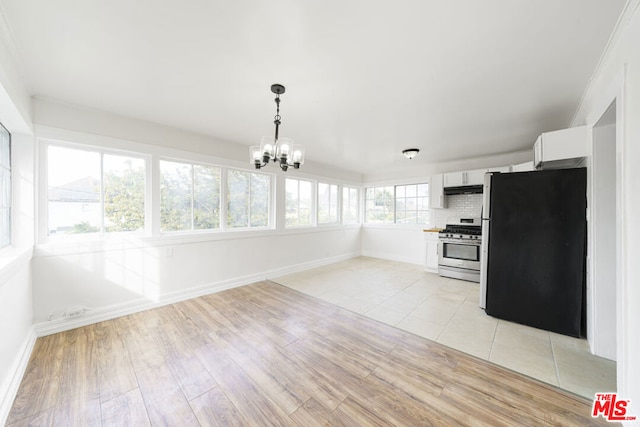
{"points": [[248, 195], [349, 205], [298, 202], [189, 196], [379, 204], [400, 204], [327, 203], [91, 192]]}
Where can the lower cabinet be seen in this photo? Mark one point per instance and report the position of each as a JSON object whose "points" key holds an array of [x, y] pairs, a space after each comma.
{"points": [[431, 240]]}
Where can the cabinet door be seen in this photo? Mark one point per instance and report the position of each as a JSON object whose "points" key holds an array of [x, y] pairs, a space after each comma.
{"points": [[537, 152], [454, 179], [437, 199], [564, 144], [523, 167], [432, 252], [501, 169], [474, 177]]}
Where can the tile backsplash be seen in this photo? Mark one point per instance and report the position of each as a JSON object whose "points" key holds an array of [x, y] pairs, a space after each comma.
{"points": [[461, 206]]}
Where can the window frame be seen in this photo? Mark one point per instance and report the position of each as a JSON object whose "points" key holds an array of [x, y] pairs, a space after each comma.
{"points": [[9, 169], [394, 199], [338, 206], [344, 206], [417, 198], [43, 214], [270, 219], [312, 201], [192, 229]]}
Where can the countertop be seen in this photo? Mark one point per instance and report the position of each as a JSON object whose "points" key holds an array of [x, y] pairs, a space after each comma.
{"points": [[432, 230]]}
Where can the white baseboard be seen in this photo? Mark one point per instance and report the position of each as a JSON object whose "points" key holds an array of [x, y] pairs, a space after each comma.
{"points": [[277, 272], [10, 386], [141, 304], [394, 257]]}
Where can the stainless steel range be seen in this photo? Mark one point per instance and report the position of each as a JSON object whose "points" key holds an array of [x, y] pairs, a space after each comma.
{"points": [[459, 249]]}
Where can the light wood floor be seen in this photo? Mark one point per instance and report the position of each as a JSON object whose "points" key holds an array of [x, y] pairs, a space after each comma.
{"points": [[267, 355]]}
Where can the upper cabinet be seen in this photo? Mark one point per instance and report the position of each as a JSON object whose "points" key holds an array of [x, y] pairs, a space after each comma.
{"points": [[470, 178], [523, 167], [564, 148], [461, 179], [437, 200]]}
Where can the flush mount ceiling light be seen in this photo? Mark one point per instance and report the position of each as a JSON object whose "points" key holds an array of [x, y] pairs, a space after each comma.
{"points": [[410, 153], [281, 150]]}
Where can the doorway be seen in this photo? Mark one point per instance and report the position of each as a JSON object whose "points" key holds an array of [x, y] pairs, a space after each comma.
{"points": [[604, 235]]}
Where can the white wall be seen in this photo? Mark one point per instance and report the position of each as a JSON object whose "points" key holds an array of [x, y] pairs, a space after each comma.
{"points": [[55, 114], [618, 77], [111, 281], [16, 336], [395, 243], [16, 312], [601, 299]]}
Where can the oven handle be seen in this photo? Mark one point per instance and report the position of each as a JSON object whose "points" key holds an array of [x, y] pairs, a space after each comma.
{"points": [[462, 242]]}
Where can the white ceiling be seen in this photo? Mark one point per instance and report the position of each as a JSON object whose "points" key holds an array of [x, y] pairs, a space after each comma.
{"points": [[365, 79]]}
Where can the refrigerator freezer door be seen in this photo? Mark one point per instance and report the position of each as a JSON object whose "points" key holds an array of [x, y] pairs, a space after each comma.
{"points": [[536, 252]]}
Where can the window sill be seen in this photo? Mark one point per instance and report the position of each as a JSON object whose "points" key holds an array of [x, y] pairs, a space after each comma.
{"points": [[86, 244], [419, 227], [11, 259]]}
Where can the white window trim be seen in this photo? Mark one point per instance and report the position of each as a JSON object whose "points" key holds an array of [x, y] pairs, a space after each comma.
{"points": [[338, 204], [270, 208], [359, 191], [393, 224], [43, 190], [313, 208], [223, 175], [152, 236]]}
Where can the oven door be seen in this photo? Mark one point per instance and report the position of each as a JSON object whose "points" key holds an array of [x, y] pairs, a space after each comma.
{"points": [[459, 253]]}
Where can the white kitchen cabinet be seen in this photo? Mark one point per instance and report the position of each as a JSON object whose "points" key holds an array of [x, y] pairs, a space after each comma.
{"points": [[431, 240], [522, 167], [501, 169], [560, 149], [475, 177], [453, 179], [437, 199], [461, 179]]}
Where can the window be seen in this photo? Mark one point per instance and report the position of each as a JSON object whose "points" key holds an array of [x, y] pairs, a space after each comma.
{"points": [[248, 196], [299, 201], [5, 187], [91, 191], [412, 204], [400, 204], [189, 196], [349, 205], [327, 203], [379, 205]]}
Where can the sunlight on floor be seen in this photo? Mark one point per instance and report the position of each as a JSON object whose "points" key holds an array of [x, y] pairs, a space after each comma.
{"points": [[446, 311]]}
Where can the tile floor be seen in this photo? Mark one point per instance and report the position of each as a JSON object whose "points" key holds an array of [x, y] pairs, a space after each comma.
{"points": [[446, 311]]}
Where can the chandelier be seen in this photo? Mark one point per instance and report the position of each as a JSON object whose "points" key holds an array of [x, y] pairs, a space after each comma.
{"points": [[281, 150]]}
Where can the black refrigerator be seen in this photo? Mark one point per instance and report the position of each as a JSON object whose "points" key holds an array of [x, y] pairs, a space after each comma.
{"points": [[534, 249]]}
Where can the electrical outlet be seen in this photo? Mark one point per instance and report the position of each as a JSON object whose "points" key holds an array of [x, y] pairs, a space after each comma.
{"points": [[76, 312]]}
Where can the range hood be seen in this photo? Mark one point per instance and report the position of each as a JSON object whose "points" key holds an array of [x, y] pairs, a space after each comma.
{"points": [[465, 189]]}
